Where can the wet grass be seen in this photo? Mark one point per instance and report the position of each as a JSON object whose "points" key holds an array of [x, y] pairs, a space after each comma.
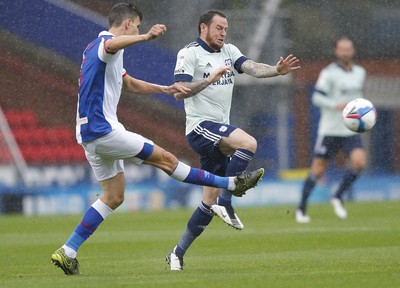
{"points": [[128, 250]]}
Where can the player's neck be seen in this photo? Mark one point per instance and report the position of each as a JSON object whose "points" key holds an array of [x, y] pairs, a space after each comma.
{"points": [[347, 66], [117, 31]]}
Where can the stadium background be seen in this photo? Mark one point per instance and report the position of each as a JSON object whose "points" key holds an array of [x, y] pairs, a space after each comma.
{"points": [[43, 170]]}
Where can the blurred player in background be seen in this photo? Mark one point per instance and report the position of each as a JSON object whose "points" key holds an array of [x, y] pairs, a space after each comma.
{"points": [[337, 84], [224, 149], [106, 142]]}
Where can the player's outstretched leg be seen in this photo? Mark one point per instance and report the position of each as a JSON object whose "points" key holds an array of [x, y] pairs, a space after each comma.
{"points": [[236, 185]]}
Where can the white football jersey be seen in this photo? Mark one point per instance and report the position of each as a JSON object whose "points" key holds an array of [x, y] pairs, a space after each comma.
{"points": [[336, 85], [197, 61]]}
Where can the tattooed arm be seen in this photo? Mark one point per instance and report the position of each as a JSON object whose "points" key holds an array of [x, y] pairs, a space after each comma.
{"points": [[258, 70], [197, 86], [261, 70]]}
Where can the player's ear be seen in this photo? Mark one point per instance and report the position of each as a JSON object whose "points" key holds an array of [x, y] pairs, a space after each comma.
{"points": [[127, 23], [203, 27]]}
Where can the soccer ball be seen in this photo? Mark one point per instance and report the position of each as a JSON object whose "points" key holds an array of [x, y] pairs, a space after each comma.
{"points": [[359, 115]]}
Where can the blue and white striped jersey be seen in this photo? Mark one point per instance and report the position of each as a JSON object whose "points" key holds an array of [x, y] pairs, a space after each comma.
{"points": [[100, 85]]}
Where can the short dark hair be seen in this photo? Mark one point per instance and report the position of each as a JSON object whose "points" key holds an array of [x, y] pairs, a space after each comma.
{"points": [[207, 17], [122, 11]]}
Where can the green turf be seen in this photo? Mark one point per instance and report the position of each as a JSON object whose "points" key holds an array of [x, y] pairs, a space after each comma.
{"points": [[128, 250]]}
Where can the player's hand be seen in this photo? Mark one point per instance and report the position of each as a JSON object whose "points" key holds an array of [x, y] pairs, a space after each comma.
{"points": [[177, 88], [156, 31], [284, 66], [218, 73]]}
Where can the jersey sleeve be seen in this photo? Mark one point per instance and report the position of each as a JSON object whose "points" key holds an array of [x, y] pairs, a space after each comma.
{"points": [[185, 65], [102, 53], [237, 58], [321, 92]]}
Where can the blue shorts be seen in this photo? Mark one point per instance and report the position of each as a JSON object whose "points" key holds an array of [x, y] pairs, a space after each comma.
{"points": [[328, 146], [204, 140]]}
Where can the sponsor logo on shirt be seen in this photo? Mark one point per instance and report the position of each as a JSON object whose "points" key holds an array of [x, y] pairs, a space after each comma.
{"points": [[226, 79]]}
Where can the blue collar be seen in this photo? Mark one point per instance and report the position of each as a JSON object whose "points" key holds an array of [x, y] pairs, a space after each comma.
{"points": [[206, 47]]}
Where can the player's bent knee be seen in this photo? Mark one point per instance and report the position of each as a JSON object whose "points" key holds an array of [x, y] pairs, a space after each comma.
{"points": [[250, 143], [318, 170], [358, 160], [318, 166], [253, 145]]}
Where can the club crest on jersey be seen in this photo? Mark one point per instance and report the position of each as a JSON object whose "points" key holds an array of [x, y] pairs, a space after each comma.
{"points": [[228, 62], [223, 128]]}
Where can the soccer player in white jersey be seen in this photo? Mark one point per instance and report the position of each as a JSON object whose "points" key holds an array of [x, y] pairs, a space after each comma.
{"points": [[337, 84], [106, 142], [224, 149]]}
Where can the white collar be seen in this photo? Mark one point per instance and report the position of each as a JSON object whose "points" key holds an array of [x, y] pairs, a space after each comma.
{"points": [[103, 33]]}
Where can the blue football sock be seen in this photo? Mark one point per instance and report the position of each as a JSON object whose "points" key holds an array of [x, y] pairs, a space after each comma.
{"points": [[90, 221], [197, 176], [200, 219], [204, 178], [239, 162]]}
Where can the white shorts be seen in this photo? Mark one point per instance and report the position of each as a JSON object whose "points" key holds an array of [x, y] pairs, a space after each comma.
{"points": [[106, 154]]}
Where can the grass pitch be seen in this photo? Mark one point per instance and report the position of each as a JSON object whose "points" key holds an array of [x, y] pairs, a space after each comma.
{"points": [[128, 250]]}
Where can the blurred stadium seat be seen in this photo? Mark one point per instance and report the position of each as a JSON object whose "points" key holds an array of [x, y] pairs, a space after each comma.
{"points": [[40, 144], [21, 119]]}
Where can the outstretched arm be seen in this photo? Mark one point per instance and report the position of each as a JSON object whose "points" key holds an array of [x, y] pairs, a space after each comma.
{"points": [[120, 42], [261, 70], [133, 85], [197, 86]]}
